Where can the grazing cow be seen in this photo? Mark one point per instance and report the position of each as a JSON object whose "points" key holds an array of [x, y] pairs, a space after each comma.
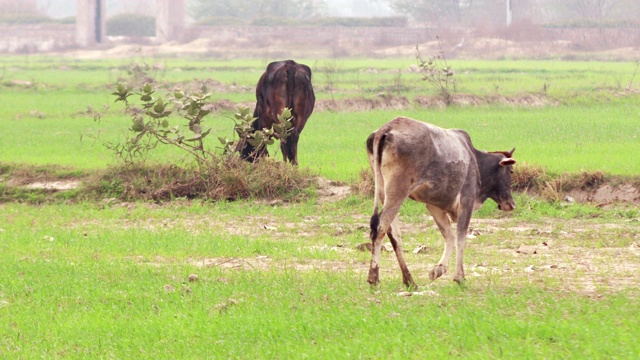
{"points": [[440, 168], [285, 84]]}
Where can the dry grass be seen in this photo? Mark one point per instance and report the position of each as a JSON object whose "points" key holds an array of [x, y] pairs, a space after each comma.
{"points": [[365, 185], [225, 178]]}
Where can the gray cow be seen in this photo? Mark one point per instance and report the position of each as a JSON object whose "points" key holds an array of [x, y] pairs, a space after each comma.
{"points": [[440, 168]]}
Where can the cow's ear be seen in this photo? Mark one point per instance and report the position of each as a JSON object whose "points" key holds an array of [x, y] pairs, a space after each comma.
{"points": [[507, 161], [510, 153]]}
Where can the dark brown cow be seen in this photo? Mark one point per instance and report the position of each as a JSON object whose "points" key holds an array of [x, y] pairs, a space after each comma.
{"points": [[285, 84], [440, 168]]}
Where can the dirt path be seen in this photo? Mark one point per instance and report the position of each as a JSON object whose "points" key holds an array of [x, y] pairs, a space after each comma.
{"points": [[577, 256]]}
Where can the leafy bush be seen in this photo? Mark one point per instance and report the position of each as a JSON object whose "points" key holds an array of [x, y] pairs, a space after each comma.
{"points": [[133, 25], [151, 126]]}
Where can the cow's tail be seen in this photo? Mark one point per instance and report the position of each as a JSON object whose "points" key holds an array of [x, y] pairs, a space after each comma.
{"points": [[291, 88], [375, 145]]}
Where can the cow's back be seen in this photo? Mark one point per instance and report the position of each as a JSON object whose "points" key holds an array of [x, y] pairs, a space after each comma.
{"points": [[285, 84], [441, 161]]}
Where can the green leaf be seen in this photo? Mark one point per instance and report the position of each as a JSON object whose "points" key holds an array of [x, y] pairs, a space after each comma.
{"points": [[286, 114], [205, 133], [138, 125], [159, 106], [254, 142], [152, 114]]}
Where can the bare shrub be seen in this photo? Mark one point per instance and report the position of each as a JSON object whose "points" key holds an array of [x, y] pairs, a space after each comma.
{"points": [[436, 71]]}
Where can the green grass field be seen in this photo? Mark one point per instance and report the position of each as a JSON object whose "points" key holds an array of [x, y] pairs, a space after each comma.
{"points": [[594, 126], [103, 279]]}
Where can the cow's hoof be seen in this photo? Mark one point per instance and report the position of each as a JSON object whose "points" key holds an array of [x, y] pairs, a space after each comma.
{"points": [[459, 279], [437, 271], [410, 284], [373, 278]]}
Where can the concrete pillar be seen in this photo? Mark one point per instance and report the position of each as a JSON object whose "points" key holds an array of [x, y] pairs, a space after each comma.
{"points": [[90, 22], [170, 19]]}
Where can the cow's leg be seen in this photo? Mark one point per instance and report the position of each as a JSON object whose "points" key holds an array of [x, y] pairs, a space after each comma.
{"points": [[289, 148], [444, 225], [293, 147], [396, 242], [376, 247], [284, 147], [396, 189], [463, 226], [385, 218]]}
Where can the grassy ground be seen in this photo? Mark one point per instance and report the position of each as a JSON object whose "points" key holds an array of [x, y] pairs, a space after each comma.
{"points": [[594, 125], [286, 280]]}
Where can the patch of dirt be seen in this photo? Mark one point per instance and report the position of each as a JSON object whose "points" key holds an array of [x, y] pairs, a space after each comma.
{"points": [[328, 190], [50, 185], [478, 45], [608, 194], [583, 270], [584, 256], [54, 185], [385, 101], [491, 48]]}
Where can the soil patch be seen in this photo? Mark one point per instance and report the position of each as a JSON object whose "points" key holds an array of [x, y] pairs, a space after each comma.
{"points": [[54, 185]]}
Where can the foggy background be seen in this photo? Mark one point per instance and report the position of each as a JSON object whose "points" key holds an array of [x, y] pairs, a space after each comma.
{"points": [[67, 8], [465, 28]]}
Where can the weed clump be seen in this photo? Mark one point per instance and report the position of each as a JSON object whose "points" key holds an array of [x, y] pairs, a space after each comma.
{"points": [[365, 184], [222, 178]]}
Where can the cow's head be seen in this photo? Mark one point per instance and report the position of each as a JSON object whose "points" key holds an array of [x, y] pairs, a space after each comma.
{"points": [[496, 170]]}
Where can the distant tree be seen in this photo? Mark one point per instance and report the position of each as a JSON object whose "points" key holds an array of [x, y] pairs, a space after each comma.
{"points": [[427, 10], [594, 10], [251, 9], [439, 12]]}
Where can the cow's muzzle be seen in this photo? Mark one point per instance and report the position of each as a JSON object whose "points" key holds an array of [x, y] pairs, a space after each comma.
{"points": [[507, 205]]}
